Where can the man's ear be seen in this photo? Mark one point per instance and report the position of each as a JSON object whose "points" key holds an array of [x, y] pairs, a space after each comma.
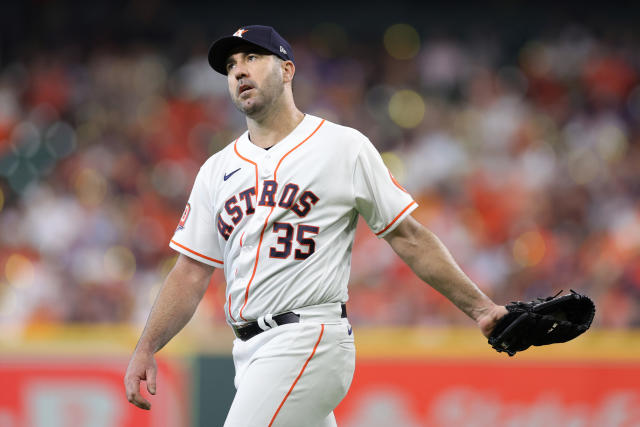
{"points": [[288, 71]]}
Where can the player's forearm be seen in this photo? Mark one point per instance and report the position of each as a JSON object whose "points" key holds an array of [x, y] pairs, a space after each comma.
{"points": [[173, 308], [432, 262]]}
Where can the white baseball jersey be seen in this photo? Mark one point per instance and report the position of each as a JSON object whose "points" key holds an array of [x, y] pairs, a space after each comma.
{"points": [[281, 222]]}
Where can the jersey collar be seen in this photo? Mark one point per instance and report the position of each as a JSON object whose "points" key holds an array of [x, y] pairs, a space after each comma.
{"points": [[248, 149]]}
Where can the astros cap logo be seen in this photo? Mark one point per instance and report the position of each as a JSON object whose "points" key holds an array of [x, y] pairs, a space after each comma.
{"points": [[240, 32], [256, 35]]}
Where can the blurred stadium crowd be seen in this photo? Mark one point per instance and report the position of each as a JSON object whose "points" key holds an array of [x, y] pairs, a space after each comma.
{"points": [[526, 164]]}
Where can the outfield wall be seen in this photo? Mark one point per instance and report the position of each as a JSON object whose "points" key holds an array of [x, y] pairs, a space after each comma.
{"points": [[72, 376]]}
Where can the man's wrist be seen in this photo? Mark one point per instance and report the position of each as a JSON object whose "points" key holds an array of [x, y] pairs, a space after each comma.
{"points": [[483, 310], [145, 348]]}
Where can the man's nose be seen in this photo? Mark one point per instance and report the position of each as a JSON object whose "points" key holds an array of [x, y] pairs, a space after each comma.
{"points": [[240, 71]]}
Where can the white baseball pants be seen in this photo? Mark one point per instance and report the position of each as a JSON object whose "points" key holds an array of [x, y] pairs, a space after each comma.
{"points": [[294, 375]]}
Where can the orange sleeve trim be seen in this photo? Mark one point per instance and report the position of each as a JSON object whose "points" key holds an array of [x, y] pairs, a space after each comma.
{"points": [[298, 377], [396, 218], [196, 253], [395, 181]]}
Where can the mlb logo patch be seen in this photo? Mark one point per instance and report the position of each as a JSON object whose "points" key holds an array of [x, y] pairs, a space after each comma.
{"points": [[184, 217]]}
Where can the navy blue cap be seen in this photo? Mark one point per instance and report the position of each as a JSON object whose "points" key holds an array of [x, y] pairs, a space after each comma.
{"points": [[256, 35]]}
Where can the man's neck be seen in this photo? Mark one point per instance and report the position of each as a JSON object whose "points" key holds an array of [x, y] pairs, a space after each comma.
{"points": [[271, 129]]}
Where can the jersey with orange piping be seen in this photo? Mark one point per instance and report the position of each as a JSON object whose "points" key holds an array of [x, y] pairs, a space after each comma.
{"points": [[281, 222]]}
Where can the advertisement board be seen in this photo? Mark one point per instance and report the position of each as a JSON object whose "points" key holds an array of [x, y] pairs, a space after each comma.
{"points": [[86, 391], [467, 393]]}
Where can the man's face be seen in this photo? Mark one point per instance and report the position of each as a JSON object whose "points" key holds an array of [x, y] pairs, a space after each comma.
{"points": [[255, 79]]}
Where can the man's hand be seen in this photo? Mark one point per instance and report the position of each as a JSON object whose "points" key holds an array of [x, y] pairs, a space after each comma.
{"points": [[487, 321], [142, 367], [175, 304]]}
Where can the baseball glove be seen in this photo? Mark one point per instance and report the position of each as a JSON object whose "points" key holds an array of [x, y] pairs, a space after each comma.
{"points": [[542, 321]]}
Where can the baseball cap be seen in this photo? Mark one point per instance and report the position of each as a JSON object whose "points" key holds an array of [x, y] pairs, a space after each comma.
{"points": [[256, 35]]}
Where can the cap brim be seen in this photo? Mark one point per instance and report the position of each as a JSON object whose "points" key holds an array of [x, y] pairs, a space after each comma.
{"points": [[219, 51]]}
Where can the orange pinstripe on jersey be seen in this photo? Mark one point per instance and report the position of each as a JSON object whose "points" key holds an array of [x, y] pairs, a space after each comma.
{"points": [[255, 165], [255, 265], [196, 253], [395, 219], [298, 377], [289, 152], [266, 221], [229, 308]]}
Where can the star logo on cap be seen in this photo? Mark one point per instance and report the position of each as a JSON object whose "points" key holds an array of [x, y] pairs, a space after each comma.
{"points": [[240, 32]]}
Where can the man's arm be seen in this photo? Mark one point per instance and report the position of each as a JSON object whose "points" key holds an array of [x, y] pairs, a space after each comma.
{"points": [[431, 261], [175, 304]]}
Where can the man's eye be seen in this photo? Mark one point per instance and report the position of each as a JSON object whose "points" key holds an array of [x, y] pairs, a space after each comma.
{"points": [[229, 67], [252, 57]]}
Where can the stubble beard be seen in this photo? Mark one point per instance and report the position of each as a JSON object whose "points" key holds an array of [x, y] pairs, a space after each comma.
{"points": [[261, 102]]}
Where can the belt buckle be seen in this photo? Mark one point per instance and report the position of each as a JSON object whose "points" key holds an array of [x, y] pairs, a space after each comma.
{"points": [[237, 330]]}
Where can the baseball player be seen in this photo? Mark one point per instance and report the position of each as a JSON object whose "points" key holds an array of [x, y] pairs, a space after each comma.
{"points": [[277, 210]]}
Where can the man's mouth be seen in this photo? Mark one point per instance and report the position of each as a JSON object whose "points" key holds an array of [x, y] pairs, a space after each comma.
{"points": [[244, 88]]}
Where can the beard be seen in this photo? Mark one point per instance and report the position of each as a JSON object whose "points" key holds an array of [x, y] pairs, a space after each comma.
{"points": [[262, 98]]}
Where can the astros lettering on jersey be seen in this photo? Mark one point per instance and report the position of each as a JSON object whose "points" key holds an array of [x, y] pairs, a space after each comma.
{"points": [[281, 222]]}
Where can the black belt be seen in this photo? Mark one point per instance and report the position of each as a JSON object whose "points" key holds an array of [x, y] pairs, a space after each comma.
{"points": [[252, 329]]}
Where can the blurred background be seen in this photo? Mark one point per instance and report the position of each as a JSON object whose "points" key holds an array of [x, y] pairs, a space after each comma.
{"points": [[515, 126]]}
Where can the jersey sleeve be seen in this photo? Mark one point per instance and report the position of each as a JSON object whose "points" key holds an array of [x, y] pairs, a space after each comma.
{"points": [[195, 235], [379, 198]]}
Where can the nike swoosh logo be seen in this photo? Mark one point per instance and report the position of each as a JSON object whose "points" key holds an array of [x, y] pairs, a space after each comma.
{"points": [[350, 330], [227, 176]]}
